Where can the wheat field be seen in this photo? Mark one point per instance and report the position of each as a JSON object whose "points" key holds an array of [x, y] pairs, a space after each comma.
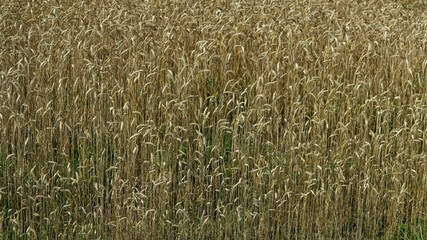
{"points": [[213, 119]]}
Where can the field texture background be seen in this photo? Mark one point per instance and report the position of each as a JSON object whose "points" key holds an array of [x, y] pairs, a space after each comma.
{"points": [[213, 119]]}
